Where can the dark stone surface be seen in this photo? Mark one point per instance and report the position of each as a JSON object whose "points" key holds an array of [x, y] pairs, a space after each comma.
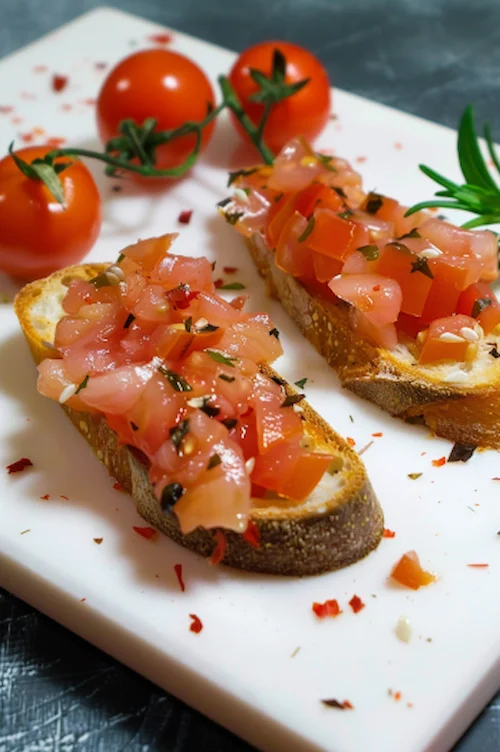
{"points": [[429, 57]]}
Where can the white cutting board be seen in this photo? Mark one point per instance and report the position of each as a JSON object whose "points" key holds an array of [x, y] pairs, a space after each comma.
{"points": [[239, 670]]}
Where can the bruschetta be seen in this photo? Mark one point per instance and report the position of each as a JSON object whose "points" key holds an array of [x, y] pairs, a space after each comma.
{"points": [[171, 385], [402, 307]]}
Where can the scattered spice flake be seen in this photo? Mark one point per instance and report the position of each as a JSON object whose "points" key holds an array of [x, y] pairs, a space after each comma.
{"points": [[90, 101], [360, 160], [145, 532], [66, 107], [56, 141], [185, 216], [422, 454], [82, 600], [414, 476], [38, 131], [328, 608], [162, 38], [409, 573], [28, 530], [397, 696], [26, 138], [356, 604], [398, 145], [495, 478], [218, 283], [461, 452], [116, 188], [333, 116], [27, 95], [6, 109], [365, 448], [196, 625], [100, 65], [252, 534], [332, 703], [178, 572], [378, 434], [19, 465], [439, 463], [295, 652], [351, 441], [40, 69], [230, 269], [98, 541], [45, 497], [409, 704], [478, 566], [220, 548], [59, 82], [118, 486], [65, 498], [388, 533]]}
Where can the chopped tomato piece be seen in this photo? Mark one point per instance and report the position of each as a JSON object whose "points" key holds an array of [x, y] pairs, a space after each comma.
{"points": [[398, 263], [377, 297], [290, 472], [385, 336], [443, 296], [275, 424], [475, 293], [292, 255], [446, 339], [408, 572], [489, 319], [410, 325], [325, 267], [335, 236], [328, 608]]}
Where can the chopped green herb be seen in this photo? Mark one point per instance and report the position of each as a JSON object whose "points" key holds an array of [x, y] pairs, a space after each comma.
{"points": [[188, 324], [373, 203], [301, 383], [412, 234], [479, 305], [178, 432], [178, 382], [83, 384], [347, 214], [274, 333], [207, 328], [233, 217], [227, 378], [308, 229], [278, 197], [494, 353], [171, 495], [232, 286], [120, 258], [326, 161], [233, 176], [277, 380], [214, 461], [221, 358], [224, 202], [246, 190], [292, 399], [339, 190], [461, 452], [229, 423], [370, 252], [351, 418], [401, 247], [209, 409], [130, 318], [134, 426], [421, 265], [100, 281], [414, 476]]}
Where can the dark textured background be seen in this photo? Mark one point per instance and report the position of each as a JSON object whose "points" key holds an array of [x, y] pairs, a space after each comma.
{"points": [[429, 57]]}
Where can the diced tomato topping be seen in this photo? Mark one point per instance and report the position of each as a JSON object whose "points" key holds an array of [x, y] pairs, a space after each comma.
{"points": [[385, 336], [325, 267], [335, 236], [398, 263], [377, 297], [408, 572], [304, 202], [473, 295], [252, 534], [292, 254], [447, 339]]}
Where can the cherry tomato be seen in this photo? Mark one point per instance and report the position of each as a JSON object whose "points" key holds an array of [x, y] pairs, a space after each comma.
{"points": [[156, 84], [37, 234], [305, 113]]}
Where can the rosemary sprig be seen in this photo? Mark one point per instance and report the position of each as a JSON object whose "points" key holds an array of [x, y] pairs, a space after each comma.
{"points": [[480, 193]]}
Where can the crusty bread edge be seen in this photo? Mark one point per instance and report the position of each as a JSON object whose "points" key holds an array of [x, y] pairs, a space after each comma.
{"points": [[293, 542], [374, 373]]}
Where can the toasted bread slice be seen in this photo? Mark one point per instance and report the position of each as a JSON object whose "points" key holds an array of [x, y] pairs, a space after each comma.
{"points": [[460, 402], [338, 524]]}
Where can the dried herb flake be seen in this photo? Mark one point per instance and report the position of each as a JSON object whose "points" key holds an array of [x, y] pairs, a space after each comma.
{"points": [[292, 399], [175, 380], [461, 452]]}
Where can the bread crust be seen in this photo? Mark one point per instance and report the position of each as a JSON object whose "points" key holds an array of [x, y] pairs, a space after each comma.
{"points": [[297, 538], [463, 413]]}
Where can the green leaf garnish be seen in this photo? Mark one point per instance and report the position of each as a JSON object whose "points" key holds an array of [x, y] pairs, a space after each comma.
{"points": [[233, 218], [83, 384], [188, 324], [175, 380], [232, 286], [214, 460], [177, 434], [370, 252], [233, 176], [479, 305], [227, 378], [308, 229], [221, 358], [326, 161], [301, 383], [347, 214], [230, 423], [129, 320], [171, 495], [412, 234], [292, 399], [421, 265], [274, 333], [373, 203]]}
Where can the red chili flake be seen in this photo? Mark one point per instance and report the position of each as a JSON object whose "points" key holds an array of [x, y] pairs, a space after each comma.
{"points": [[356, 604], [439, 463], [59, 82], [27, 95], [185, 216], [6, 109], [146, 532], [376, 288], [56, 142], [409, 704], [351, 441], [397, 696], [40, 69], [478, 566], [45, 497], [360, 160], [230, 269], [101, 65], [19, 466], [398, 145], [388, 533], [332, 703], [66, 498], [348, 705], [66, 107], [118, 486], [377, 435], [178, 572], [218, 283], [328, 608], [196, 626], [82, 600], [422, 454], [495, 479], [90, 101], [162, 38], [98, 541], [239, 302], [181, 297], [252, 534], [27, 138], [220, 548]]}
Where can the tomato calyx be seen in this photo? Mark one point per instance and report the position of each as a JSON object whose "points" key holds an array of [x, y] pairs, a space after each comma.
{"points": [[273, 88], [43, 169]]}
